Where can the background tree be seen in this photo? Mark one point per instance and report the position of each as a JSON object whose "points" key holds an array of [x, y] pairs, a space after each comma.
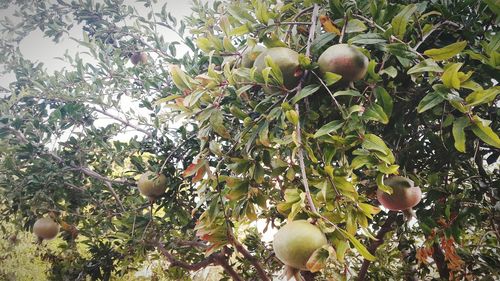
{"points": [[269, 143]]}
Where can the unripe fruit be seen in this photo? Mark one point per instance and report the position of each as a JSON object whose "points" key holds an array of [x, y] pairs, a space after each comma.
{"points": [[344, 60], [250, 54], [152, 185], [139, 57], [286, 59], [404, 196], [45, 228], [295, 242]]}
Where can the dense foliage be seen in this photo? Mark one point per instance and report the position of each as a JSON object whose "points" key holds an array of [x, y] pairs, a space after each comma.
{"points": [[241, 144]]}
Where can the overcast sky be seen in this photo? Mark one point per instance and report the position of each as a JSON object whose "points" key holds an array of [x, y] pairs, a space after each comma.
{"points": [[38, 48]]}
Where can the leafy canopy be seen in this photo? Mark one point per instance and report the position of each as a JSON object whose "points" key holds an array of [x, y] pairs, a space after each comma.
{"points": [[238, 147]]}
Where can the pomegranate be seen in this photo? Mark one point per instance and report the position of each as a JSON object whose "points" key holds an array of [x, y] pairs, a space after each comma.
{"points": [[344, 60], [250, 54], [152, 185], [45, 228], [139, 57], [295, 242], [405, 194], [286, 59]]}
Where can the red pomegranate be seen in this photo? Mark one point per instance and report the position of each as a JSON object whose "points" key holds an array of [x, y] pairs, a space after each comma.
{"points": [[405, 194]]}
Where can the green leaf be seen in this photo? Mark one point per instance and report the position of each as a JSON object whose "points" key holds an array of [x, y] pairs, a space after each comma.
{"points": [[493, 5], [384, 100], [429, 101], [482, 96], [361, 249], [450, 76], [275, 69], [305, 92], [400, 21], [321, 41], [391, 71], [331, 78], [367, 39], [376, 112], [428, 65], [264, 134], [355, 25], [485, 133], [328, 128], [382, 186], [446, 52], [400, 50], [373, 142], [351, 93], [458, 132]]}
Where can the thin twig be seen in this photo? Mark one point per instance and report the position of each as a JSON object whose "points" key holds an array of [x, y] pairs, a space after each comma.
{"points": [[342, 33], [254, 261], [300, 153], [125, 122]]}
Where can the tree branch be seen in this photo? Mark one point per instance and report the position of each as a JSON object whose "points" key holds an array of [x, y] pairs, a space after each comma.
{"points": [[438, 256], [215, 258], [242, 250], [125, 122], [107, 181], [386, 227], [188, 266]]}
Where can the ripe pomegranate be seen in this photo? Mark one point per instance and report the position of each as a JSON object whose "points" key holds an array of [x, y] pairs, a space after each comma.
{"points": [[405, 194], [295, 242], [139, 57], [344, 60], [45, 228], [286, 59], [152, 185], [250, 54]]}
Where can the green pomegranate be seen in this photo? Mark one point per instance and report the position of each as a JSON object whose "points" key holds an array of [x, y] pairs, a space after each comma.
{"points": [[404, 197], [287, 61], [152, 185], [295, 242], [344, 60], [250, 54], [45, 229]]}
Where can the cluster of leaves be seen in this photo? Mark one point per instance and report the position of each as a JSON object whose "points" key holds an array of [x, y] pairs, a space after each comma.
{"points": [[426, 109]]}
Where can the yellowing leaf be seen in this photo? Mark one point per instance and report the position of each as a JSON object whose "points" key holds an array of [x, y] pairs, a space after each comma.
{"points": [[485, 133], [482, 96], [450, 76], [361, 249], [328, 25], [319, 258], [458, 132], [446, 52]]}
